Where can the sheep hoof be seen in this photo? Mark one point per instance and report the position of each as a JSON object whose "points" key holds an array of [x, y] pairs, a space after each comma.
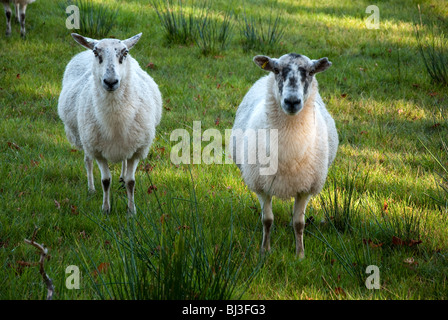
{"points": [[106, 210], [91, 192], [264, 251]]}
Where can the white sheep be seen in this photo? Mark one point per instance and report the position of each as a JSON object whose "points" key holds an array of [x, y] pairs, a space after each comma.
{"points": [[20, 8], [306, 141], [110, 108]]}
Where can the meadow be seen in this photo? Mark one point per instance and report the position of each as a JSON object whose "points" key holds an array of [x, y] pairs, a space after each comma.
{"points": [[197, 232]]}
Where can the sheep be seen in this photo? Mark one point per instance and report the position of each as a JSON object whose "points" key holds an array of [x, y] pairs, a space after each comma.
{"points": [[110, 108], [286, 101], [20, 8]]}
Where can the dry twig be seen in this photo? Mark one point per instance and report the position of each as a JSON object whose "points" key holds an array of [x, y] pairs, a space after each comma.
{"points": [[43, 255]]}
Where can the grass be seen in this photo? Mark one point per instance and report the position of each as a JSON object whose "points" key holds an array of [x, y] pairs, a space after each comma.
{"points": [[179, 25], [213, 36], [256, 36], [378, 91], [96, 19], [434, 53], [173, 257]]}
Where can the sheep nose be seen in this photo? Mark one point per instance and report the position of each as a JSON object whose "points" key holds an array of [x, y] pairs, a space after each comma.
{"points": [[292, 104], [110, 85]]}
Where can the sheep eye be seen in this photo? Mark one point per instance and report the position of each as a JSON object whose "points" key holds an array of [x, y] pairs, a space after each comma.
{"points": [[276, 71], [124, 54], [95, 53]]}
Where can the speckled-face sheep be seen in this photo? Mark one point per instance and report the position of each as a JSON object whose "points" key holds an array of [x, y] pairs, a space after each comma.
{"points": [[110, 108], [306, 141], [20, 8]]}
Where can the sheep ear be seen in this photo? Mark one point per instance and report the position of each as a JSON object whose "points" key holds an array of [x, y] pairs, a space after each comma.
{"points": [[264, 62], [320, 65], [84, 41], [132, 41]]}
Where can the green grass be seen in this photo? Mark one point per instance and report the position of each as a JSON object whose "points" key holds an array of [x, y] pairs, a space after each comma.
{"points": [[392, 126], [96, 20], [257, 36]]}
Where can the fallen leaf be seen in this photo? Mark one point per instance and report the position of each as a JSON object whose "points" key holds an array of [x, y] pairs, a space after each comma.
{"points": [[164, 217], [339, 291], [397, 241], [18, 76], [372, 244], [57, 204], [151, 189], [13, 145], [385, 206], [343, 95], [21, 265], [414, 242], [103, 267], [217, 121], [151, 65], [74, 210], [148, 168]]}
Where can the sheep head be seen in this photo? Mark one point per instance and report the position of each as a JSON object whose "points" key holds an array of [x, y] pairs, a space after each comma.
{"points": [[110, 64], [294, 74]]}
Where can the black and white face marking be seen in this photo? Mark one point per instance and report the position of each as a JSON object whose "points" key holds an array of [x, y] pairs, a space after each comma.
{"points": [[293, 76], [110, 54], [110, 58]]}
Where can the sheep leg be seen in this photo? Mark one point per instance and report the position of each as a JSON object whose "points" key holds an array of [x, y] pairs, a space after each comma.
{"points": [[298, 222], [16, 9], [123, 173], [8, 14], [22, 10], [106, 179], [89, 168], [267, 217], [131, 167]]}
